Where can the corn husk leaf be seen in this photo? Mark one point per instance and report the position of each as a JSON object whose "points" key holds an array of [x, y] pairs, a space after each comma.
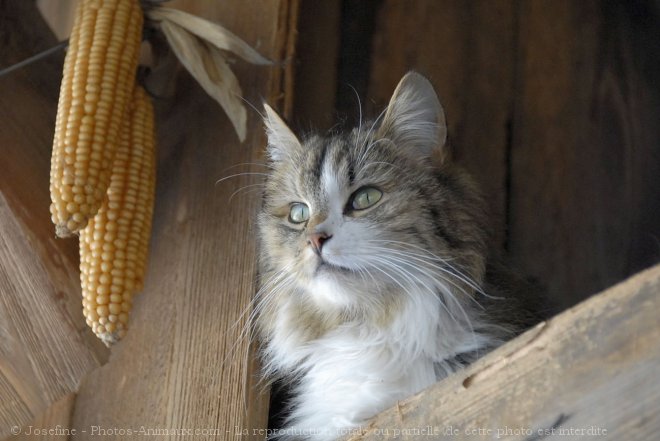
{"points": [[207, 65], [210, 32]]}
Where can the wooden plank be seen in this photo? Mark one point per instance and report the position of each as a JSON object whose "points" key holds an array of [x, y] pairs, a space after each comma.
{"points": [[28, 104], [585, 179], [467, 50], [45, 347], [185, 363], [358, 22], [42, 354], [590, 368], [53, 425], [317, 52]]}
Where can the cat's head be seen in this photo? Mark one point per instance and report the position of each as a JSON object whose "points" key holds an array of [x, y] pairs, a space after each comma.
{"points": [[352, 220]]}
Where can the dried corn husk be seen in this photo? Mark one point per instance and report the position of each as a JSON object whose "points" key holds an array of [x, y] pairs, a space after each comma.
{"points": [[212, 33], [201, 47]]}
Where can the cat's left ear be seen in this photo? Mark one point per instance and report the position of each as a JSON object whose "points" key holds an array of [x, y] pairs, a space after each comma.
{"points": [[414, 119], [281, 140]]}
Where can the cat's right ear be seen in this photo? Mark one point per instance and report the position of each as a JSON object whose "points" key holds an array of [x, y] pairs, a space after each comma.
{"points": [[281, 140], [414, 119]]}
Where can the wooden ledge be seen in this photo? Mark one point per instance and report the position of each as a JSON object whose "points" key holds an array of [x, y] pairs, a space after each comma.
{"points": [[588, 372]]}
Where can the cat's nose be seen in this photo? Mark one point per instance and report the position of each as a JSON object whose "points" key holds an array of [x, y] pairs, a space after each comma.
{"points": [[316, 240]]}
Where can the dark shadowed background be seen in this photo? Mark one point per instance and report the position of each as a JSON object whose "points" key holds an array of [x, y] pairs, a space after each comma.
{"points": [[553, 105]]}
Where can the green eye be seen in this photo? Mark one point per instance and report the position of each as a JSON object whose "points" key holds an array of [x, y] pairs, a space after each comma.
{"points": [[299, 213], [365, 197]]}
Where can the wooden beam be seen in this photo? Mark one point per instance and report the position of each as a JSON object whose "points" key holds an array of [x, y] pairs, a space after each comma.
{"points": [[315, 64], [590, 370], [53, 425], [42, 354], [28, 104], [186, 361], [45, 347]]}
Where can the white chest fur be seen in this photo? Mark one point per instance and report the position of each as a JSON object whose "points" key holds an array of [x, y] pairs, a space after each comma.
{"points": [[357, 370]]}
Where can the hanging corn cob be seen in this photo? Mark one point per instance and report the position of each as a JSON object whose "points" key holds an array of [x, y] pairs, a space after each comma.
{"points": [[103, 162], [98, 79], [114, 244]]}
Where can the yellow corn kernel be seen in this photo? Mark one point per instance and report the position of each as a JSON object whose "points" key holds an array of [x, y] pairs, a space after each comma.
{"points": [[115, 242], [97, 83]]}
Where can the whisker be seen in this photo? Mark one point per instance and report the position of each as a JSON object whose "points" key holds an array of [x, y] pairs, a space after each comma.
{"points": [[251, 306], [408, 276], [241, 164], [423, 260], [457, 273], [262, 115], [363, 156], [240, 174], [402, 271], [402, 256], [359, 103], [244, 188], [380, 163]]}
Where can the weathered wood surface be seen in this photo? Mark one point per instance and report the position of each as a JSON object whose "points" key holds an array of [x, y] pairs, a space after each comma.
{"points": [[185, 363], [585, 176], [358, 21], [45, 347], [42, 354], [53, 425], [593, 367], [315, 64], [466, 49], [28, 104], [553, 106]]}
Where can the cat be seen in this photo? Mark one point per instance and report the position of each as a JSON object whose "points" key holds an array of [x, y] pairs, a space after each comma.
{"points": [[375, 268]]}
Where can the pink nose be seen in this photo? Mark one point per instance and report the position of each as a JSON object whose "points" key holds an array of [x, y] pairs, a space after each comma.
{"points": [[316, 240]]}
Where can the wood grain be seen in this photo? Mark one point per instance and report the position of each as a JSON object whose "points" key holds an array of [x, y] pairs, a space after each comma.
{"points": [[53, 425], [467, 50], [185, 363], [28, 104], [315, 64], [42, 354], [592, 367], [585, 177], [553, 107], [45, 347]]}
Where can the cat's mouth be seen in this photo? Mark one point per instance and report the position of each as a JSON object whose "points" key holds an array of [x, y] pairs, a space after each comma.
{"points": [[323, 266]]}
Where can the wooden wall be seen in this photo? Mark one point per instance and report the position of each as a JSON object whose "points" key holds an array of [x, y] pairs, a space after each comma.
{"points": [[45, 347], [553, 105], [186, 362]]}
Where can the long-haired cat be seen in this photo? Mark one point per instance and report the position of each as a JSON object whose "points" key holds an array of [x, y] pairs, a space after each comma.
{"points": [[376, 275]]}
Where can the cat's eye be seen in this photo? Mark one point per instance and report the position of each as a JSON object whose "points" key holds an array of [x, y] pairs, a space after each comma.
{"points": [[299, 213], [365, 197]]}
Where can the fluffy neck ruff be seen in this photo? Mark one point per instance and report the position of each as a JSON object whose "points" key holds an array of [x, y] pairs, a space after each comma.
{"points": [[430, 322]]}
